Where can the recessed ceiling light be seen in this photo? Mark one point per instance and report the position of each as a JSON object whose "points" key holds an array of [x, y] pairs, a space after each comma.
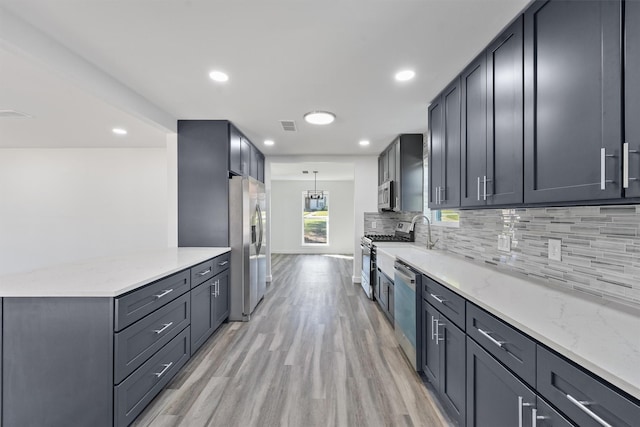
{"points": [[119, 131], [320, 117], [218, 76], [364, 142], [268, 142], [404, 75]]}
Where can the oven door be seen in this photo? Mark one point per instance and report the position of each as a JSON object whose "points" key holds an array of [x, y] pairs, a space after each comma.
{"points": [[365, 280]]}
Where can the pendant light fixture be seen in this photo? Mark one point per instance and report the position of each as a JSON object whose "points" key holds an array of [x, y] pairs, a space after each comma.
{"points": [[315, 194]]}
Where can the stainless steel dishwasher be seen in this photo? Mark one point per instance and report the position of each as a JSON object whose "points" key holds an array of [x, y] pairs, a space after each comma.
{"points": [[406, 320]]}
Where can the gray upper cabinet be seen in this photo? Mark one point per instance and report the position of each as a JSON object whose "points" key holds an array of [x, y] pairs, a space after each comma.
{"points": [[473, 139], [573, 101], [505, 117], [402, 163], [632, 98], [444, 149], [235, 153], [245, 155], [203, 183]]}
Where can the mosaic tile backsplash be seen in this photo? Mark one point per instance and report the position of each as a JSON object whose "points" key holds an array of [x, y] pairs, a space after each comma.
{"points": [[600, 244]]}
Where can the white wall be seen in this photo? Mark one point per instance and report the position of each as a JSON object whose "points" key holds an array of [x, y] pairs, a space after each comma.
{"points": [[62, 205], [286, 217]]}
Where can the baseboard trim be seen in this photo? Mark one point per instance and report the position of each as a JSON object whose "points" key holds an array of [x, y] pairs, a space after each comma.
{"points": [[356, 279], [268, 278]]}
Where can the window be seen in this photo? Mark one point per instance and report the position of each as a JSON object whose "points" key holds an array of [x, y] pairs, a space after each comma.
{"points": [[315, 219], [446, 216]]}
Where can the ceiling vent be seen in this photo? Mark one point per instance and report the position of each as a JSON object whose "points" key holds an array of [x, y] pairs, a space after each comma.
{"points": [[288, 125], [12, 114]]}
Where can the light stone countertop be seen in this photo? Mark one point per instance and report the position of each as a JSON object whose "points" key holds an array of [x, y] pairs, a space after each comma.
{"points": [[106, 276], [600, 335]]}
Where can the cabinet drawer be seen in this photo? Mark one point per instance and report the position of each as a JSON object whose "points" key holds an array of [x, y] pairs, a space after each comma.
{"points": [[446, 301], [506, 344], [221, 263], [201, 273], [141, 340], [580, 396], [134, 393], [134, 306]]}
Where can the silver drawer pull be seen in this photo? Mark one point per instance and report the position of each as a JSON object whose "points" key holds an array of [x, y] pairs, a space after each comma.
{"points": [[166, 368], [535, 417], [164, 328], [223, 263], [490, 338], [204, 273], [521, 405], [583, 407], [165, 292], [437, 298]]}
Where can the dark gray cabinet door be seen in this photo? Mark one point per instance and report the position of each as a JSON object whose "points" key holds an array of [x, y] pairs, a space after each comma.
{"points": [[203, 183], [452, 368], [495, 397], [436, 150], [473, 139], [546, 416], [392, 160], [245, 155], [632, 95], [202, 308], [572, 101], [235, 157], [450, 191], [221, 309], [381, 169], [254, 162], [430, 347], [505, 117], [260, 167]]}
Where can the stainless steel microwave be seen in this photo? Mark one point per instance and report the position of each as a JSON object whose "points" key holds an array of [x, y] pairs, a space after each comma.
{"points": [[385, 196]]}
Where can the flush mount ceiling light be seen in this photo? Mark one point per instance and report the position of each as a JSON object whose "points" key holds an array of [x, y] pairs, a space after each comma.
{"points": [[218, 76], [119, 131], [364, 142], [404, 75], [268, 142], [319, 117]]}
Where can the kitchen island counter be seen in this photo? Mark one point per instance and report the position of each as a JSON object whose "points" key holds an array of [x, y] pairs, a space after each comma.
{"points": [[600, 335], [105, 276]]}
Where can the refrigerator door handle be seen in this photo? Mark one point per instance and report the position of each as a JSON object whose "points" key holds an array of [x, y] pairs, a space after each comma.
{"points": [[261, 226]]}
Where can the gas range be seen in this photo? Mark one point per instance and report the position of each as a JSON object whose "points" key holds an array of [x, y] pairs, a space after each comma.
{"points": [[402, 234]]}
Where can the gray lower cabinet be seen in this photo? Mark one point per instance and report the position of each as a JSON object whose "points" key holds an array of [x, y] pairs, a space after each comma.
{"points": [[209, 308], [443, 360], [495, 397], [632, 97], [386, 300], [98, 361], [135, 393], [585, 400], [573, 99]]}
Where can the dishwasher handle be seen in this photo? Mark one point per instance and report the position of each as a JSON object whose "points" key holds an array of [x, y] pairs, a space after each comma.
{"points": [[405, 273]]}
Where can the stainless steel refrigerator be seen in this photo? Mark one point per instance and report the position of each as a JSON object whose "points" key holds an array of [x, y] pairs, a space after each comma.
{"points": [[247, 222]]}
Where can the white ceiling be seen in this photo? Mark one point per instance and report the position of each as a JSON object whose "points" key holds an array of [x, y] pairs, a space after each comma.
{"points": [[327, 171], [284, 58]]}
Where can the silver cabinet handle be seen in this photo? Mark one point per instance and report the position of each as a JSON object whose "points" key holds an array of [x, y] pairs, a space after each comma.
{"points": [[582, 405], [437, 331], [490, 338], [485, 179], [163, 293], [433, 329], [442, 190], [166, 368], [603, 168], [437, 195], [535, 417], [204, 273], [164, 328], [521, 405], [437, 298], [223, 263], [478, 188], [625, 165]]}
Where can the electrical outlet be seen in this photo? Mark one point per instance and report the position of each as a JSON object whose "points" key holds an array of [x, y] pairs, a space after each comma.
{"points": [[373, 224], [555, 249], [504, 243]]}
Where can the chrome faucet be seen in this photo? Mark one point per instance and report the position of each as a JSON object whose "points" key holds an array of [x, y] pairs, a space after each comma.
{"points": [[430, 244]]}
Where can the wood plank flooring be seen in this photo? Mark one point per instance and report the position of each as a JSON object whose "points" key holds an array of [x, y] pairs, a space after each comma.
{"points": [[316, 352]]}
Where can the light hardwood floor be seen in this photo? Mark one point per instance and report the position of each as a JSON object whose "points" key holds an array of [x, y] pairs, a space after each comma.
{"points": [[316, 352]]}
